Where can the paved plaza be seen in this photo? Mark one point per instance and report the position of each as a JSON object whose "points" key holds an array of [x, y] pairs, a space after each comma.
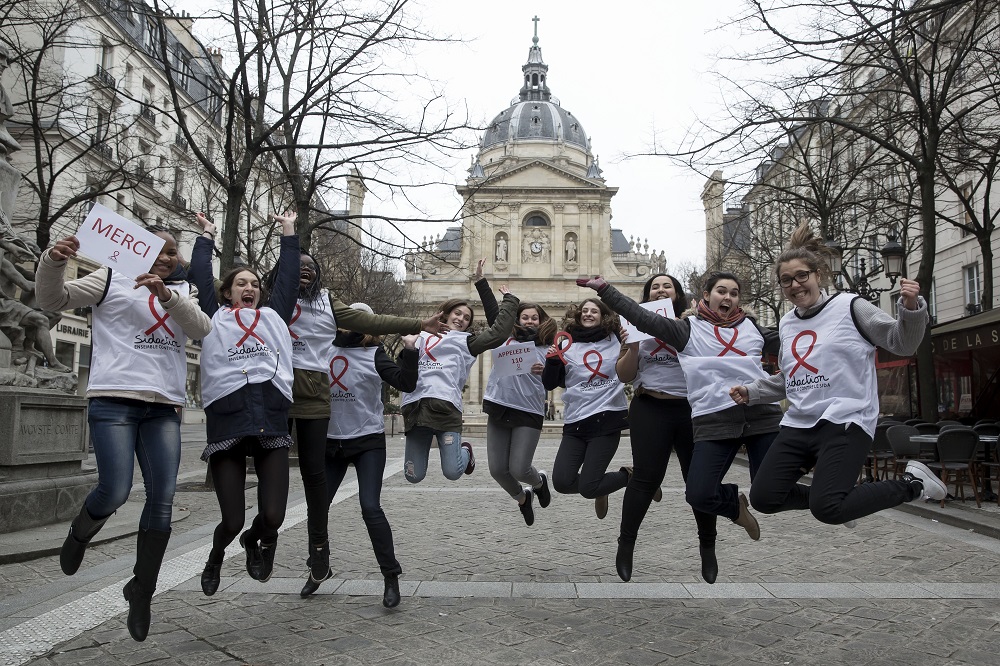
{"points": [[479, 587]]}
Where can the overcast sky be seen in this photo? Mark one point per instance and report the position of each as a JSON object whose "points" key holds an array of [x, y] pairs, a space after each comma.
{"points": [[628, 70]]}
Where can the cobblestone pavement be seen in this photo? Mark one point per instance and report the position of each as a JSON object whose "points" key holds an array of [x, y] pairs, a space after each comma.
{"points": [[482, 588]]}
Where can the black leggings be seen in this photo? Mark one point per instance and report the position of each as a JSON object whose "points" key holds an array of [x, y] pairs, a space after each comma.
{"points": [[581, 466], [657, 427], [229, 472], [310, 437]]}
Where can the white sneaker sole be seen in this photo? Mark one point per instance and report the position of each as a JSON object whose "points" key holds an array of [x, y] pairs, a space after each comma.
{"points": [[934, 488]]}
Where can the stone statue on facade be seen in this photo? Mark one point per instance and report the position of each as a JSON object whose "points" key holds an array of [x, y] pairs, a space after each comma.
{"points": [[570, 250], [501, 254]]}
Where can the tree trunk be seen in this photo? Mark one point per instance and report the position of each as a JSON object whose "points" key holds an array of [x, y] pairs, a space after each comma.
{"points": [[926, 379], [986, 248], [231, 227]]}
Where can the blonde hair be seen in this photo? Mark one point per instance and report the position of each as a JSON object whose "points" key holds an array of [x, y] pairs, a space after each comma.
{"points": [[808, 248]]}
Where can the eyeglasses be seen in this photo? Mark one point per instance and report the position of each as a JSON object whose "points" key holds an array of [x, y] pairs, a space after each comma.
{"points": [[800, 277]]}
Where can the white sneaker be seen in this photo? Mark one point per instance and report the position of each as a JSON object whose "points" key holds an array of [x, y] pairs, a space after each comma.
{"points": [[850, 524], [934, 488]]}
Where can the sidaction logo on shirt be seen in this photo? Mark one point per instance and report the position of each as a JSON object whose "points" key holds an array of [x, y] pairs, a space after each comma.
{"points": [[593, 361], [427, 358], [153, 337], [297, 344], [663, 353], [244, 348], [341, 392], [800, 349]]}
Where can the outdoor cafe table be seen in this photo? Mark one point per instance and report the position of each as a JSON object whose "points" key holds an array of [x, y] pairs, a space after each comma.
{"points": [[983, 439]]}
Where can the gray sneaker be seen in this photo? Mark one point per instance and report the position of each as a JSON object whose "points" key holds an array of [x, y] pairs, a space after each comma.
{"points": [[933, 487]]}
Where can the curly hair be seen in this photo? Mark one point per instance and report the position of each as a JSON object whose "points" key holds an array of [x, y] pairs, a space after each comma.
{"points": [[609, 320]]}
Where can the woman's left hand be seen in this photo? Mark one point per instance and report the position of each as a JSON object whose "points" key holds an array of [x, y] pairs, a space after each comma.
{"points": [[155, 285], [537, 368], [287, 222], [503, 289], [909, 290]]}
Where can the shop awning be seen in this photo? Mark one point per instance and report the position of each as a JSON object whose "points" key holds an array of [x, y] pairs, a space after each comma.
{"points": [[975, 332]]}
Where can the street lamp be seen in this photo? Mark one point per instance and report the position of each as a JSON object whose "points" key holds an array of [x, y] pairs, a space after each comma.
{"points": [[893, 256]]}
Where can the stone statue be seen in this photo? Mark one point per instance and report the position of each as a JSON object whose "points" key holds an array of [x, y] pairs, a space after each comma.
{"points": [[7, 143], [570, 249], [501, 254]]}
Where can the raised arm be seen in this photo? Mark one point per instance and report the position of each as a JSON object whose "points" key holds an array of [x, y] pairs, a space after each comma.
{"points": [[53, 293], [402, 373], [286, 283], [675, 332], [200, 270], [360, 321], [491, 307], [498, 333], [901, 335]]}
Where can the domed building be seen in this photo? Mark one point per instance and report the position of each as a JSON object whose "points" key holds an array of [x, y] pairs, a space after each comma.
{"points": [[537, 208]]}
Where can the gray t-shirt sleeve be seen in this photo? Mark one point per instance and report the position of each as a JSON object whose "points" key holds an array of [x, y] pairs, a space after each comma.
{"points": [[901, 335]]}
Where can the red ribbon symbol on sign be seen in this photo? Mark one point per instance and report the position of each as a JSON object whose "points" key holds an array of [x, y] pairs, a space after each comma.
{"points": [[660, 344], [248, 331], [729, 346], [800, 361], [561, 336], [161, 322], [431, 343], [295, 315], [333, 373], [595, 372]]}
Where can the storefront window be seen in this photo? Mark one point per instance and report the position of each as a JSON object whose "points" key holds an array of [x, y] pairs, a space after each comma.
{"points": [[65, 351], [193, 397]]}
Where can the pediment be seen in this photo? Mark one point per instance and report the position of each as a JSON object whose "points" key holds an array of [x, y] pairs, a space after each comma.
{"points": [[539, 174]]}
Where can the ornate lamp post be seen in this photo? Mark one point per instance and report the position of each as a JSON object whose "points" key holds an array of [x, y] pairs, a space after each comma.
{"points": [[893, 256]]}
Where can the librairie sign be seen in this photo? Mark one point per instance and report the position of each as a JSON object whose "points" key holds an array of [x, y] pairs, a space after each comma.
{"points": [[118, 243], [663, 307]]}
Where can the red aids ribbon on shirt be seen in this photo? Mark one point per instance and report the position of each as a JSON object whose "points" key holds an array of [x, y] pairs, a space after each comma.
{"points": [[248, 332], [295, 315], [660, 344], [333, 373], [161, 322], [431, 343], [595, 372], [561, 336], [800, 359], [731, 345]]}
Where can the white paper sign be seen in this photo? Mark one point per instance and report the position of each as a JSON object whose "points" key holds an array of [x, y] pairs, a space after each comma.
{"points": [[118, 243], [663, 307], [513, 359]]}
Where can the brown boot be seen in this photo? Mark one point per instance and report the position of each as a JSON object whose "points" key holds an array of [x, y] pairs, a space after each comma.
{"points": [[746, 519]]}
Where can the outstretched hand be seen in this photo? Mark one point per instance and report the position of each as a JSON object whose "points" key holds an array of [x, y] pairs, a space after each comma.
{"points": [[65, 248], [287, 222], [207, 226], [596, 283], [479, 270], [433, 324]]}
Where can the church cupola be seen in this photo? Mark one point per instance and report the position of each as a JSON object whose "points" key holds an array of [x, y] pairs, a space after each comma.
{"points": [[535, 87]]}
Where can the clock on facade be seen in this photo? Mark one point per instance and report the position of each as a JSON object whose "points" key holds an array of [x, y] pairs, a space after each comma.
{"points": [[536, 247]]}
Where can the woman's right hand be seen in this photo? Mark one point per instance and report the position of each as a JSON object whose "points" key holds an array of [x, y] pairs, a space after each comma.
{"points": [[479, 270], [410, 341], [740, 395], [65, 248], [207, 227], [596, 283]]}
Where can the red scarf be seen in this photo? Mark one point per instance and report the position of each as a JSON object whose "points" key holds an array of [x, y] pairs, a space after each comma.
{"points": [[734, 318]]}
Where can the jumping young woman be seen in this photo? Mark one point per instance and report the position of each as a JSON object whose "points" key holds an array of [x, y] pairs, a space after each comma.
{"points": [[595, 410], [356, 435], [659, 422], [314, 324], [828, 376], [434, 408], [246, 389], [137, 382], [515, 408], [716, 344]]}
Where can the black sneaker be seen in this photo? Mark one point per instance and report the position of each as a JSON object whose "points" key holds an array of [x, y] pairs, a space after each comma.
{"points": [[470, 467], [544, 495], [526, 510], [266, 561], [253, 556]]}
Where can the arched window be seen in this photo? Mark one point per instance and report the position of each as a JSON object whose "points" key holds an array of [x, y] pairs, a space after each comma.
{"points": [[536, 220]]}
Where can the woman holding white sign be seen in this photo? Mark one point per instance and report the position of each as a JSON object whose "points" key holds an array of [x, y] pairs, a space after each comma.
{"points": [[717, 344], [434, 408], [659, 422], [137, 383], [596, 410], [828, 376], [515, 404], [246, 389], [317, 317], [356, 435]]}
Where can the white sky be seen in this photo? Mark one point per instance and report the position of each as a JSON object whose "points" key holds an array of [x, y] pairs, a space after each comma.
{"points": [[627, 70]]}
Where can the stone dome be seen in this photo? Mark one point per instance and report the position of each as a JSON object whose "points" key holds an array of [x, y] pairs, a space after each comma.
{"points": [[535, 119]]}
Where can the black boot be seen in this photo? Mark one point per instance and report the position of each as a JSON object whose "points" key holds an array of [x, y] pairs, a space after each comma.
{"points": [[267, 560], [319, 568], [390, 598], [623, 561], [211, 576], [81, 531], [152, 544], [709, 565]]}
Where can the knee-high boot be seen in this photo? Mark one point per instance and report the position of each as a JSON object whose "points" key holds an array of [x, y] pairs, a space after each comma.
{"points": [[152, 544], [81, 531]]}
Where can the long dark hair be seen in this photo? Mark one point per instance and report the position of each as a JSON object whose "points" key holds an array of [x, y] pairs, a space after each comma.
{"points": [[547, 327], [230, 277], [680, 299], [449, 305], [306, 293]]}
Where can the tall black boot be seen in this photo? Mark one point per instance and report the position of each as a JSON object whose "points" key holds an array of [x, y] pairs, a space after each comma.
{"points": [[390, 596], [152, 544], [623, 561], [709, 565], [81, 531]]}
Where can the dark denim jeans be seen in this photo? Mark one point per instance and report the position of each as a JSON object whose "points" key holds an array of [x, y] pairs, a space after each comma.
{"points": [[123, 431], [709, 464]]}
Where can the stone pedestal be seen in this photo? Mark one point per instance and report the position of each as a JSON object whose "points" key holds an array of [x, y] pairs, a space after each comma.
{"points": [[43, 441]]}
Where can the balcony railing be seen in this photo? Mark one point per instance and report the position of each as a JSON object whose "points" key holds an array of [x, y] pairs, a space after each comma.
{"points": [[102, 148], [179, 201], [181, 142], [104, 77], [146, 113]]}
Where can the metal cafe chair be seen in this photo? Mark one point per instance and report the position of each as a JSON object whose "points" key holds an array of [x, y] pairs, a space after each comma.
{"points": [[903, 450], [927, 428], [913, 422], [946, 422], [991, 468], [957, 450], [880, 454], [949, 426]]}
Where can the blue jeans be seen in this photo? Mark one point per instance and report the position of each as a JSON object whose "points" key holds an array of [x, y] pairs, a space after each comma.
{"points": [[711, 460], [454, 458], [123, 431]]}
